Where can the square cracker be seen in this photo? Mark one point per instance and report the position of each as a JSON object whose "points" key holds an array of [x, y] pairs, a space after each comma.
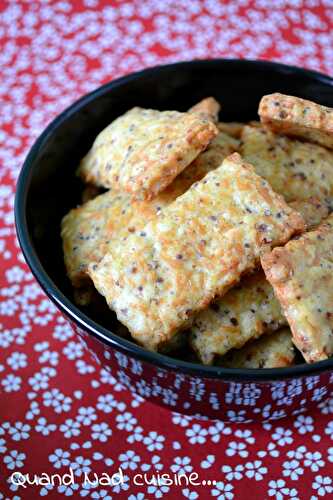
{"points": [[295, 169], [270, 351], [142, 151], [297, 117], [207, 109], [195, 250], [88, 231], [244, 313], [301, 274]]}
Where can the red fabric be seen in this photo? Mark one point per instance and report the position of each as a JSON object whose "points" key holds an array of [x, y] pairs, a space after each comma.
{"points": [[54, 399]]}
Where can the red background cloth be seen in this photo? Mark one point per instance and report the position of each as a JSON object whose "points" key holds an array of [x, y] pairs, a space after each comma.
{"points": [[57, 407]]}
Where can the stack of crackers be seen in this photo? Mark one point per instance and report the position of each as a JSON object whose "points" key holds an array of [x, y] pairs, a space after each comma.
{"points": [[217, 236]]}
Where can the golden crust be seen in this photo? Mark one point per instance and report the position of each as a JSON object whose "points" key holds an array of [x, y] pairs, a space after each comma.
{"points": [[246, 312], [231, 128], [196, 249], [301, 274], [295, 169], [142, 151], [270, 351], [297, 117], [89, 230], [208, 109]]}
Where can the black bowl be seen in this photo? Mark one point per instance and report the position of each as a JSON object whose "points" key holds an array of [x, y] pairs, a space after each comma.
{"points": [[47, 188]]}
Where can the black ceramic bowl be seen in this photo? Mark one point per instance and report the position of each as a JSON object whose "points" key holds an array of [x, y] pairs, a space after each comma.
{"points": [[47, 189]]}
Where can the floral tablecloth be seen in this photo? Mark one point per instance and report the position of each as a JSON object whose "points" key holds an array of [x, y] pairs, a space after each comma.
{"points": [[59, 411]]}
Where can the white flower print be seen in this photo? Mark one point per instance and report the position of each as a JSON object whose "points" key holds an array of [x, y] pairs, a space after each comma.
{"points": [[255, 470], [326, 407], [70, 428], [63, 332], [3, 447], [236, 416], [170, 397], [68, 491], [232, 473], [282, 436], [136, 435], [138, 496], [39, 381], [121, 486], [236, 448], [179, 419], [81, 466], [14, 460], [217, 430], [126, 421], [158, 490], [323, 485], [33, 411], [59, 458], [107, 403], [83, 368], [330, 454], [329, 429], [299, 453], [222, 491], [43, 427], [45, 489], [292, 469], [191, 495], [314, 461], [86, 415], [57, 400], [73, 350], [271, 450], [155, 464], [101, 494], [129, 460], [51, 357], [181, 465], [11, 383], [154, 441], [101, 432], [196, 434], [246, 435], [278, 490], [17, 360], [207, 462], [19, 431], [304, 424]]}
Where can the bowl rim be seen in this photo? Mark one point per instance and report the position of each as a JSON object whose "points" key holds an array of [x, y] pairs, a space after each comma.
{"points": [[72, 312]]}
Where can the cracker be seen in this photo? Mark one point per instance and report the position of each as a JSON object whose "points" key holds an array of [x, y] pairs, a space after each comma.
{"points": [[313, 211], [207, 109], [246, 312], [301, 274], [270, 351], [231, 128], [295, 169], [297, 117], [196, 249], [142, 151], [89, 230]]}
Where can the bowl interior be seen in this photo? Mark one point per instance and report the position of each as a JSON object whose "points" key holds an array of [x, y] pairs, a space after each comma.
{"points": [[49, 186]]}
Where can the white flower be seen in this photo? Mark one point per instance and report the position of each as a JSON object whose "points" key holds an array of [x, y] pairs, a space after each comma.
{"points": [[136, 435], [314, 461], [39, 381], [326, 406], [237, 448], [233, 473], [255, 470], [51, 357], [59, 458], [181, 465], [63, 332], [73, 350], [323, 485], [278, 490], [19, 431], [11, 383], [17, 360], [158, 490], [217, 430], [304, 424], [34, 410], [207, 462], [191, 495], [299, 453], [196, 434], [83, 368], [57, 400], [107, 403], [3, 447], [43, 427], [14, 460], [129, 460], [282, 436], [155, 464], [126, 421], [101, 432], [70, 428], [124, 485], [86, 415], [101, 494], [222, 491], [271, 450], [329, 429], [291, 469], [246, 435], [154, 441], [170, 397], [68, 490], [236, 416], [330, 454], [179, 419], [81, 466]]}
